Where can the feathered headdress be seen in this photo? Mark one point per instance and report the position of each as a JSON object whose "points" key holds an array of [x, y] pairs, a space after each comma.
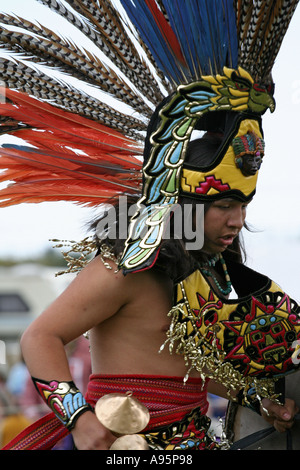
{"points": [[180, 65]]}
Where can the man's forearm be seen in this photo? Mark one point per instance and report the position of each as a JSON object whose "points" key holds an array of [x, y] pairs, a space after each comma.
{"points": [[48, 365]]}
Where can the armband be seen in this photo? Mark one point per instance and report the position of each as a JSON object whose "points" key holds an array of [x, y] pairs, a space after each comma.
{"points": [[64, 399]]}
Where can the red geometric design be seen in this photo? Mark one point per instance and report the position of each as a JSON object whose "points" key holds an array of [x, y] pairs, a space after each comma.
{"points": [[211, 182]]}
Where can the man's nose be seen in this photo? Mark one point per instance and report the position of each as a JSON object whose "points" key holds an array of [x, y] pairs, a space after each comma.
{"points": [[236, 218]]}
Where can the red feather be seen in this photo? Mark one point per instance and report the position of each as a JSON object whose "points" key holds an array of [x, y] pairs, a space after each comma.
{"points": [[42, 115], [64, 156]]}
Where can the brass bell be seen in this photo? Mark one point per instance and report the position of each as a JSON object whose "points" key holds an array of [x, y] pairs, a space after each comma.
{"points": [[121, 413]]}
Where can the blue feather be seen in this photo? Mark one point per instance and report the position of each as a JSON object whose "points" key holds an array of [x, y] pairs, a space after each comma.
{"points": [[143, 20], [206, 31]]}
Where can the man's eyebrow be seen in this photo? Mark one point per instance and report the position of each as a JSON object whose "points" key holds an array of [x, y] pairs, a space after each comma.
{"points": [[225, 199]]}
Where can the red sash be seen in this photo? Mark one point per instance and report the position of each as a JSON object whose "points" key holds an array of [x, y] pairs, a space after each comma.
{"points": [[167, 398]]}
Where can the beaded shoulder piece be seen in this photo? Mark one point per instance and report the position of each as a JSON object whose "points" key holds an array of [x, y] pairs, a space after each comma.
{"points": [[78, 254], [236, 342]]}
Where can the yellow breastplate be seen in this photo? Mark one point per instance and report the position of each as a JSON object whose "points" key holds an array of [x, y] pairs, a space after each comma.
{"points": [[235, 341]]}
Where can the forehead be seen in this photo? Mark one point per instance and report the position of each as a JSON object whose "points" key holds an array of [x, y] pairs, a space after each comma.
{"points": [[229, 200]]}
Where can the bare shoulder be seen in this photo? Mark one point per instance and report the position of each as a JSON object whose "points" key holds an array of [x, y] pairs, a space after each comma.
{"points": [[103, 282], [98, 270], [106, 275], [96, 295]]}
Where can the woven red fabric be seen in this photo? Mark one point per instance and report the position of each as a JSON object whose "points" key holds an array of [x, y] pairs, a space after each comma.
{"points": [[41, 435], [167, 398]]}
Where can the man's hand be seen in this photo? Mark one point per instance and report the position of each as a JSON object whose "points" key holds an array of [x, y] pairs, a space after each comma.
{"points": [[90, 434], [279, 416]]}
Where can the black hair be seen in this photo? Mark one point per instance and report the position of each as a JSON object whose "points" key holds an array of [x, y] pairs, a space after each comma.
{"points": [[173, 258]]}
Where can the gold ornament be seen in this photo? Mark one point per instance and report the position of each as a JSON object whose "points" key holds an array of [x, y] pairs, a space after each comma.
{"points": [[124, 416], [130, 442]]}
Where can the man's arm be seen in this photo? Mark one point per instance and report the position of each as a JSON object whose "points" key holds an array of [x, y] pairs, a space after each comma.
{"points": [[95, 295]]}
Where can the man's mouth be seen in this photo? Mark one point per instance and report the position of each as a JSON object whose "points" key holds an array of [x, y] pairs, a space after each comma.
{"points": [[227, 239]]}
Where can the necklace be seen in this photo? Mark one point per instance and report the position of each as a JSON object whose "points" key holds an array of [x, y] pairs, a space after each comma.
{"points": [[228, 288], [210, 261]]}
